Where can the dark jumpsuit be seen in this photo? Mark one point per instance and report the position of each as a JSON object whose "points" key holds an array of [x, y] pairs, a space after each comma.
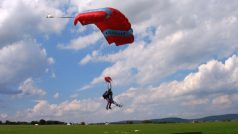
{"points": [[109, 99]]}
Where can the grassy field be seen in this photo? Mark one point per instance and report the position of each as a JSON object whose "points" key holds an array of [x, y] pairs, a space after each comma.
{"points": [[181, 128]]}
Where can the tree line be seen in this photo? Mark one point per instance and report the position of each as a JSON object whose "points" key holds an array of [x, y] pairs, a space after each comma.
{"points": [[40, 122]]}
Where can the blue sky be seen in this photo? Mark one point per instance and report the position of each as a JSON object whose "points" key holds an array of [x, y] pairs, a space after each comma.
{"points": [[183, 62]]}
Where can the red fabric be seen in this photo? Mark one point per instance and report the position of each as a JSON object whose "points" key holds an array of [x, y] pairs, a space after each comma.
{"points": [[90, 18], [108, 79], [116, 21]]}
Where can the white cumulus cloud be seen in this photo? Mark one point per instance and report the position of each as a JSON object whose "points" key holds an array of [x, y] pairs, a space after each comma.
{"points": [[29, 88], [182, 38], [82, 41], [19, 61]]}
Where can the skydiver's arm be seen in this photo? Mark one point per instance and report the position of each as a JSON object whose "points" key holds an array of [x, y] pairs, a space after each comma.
{"points": [[109, 85]]}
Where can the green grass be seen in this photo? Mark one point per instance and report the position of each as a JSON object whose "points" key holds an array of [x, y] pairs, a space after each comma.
{"points": [[204, 128]]}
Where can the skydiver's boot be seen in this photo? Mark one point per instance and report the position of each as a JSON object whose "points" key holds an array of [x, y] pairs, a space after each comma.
{"points": [[110, 106], [118, 105], [107, 106]]}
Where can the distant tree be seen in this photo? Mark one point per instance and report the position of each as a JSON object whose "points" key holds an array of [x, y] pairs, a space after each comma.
{"points": [[7, 122], [0, 122], [22, 123], [129, 122], [42, 122], [52, 122], [147, 121], [83, 123], [195, 121], [34, 122], [10, 122], [226, 120], [164, 122]]}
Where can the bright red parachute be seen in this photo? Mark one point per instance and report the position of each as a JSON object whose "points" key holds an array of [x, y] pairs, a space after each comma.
{"points": [[108, 79], [113, 24]]}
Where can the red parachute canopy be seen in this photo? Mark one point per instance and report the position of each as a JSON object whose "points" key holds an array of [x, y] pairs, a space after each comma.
{"points": [[113, 24], [108, 79]]}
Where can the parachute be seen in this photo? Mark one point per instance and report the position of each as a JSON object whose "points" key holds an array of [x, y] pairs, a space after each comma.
{"points": [[113, 24], [108, 79]]}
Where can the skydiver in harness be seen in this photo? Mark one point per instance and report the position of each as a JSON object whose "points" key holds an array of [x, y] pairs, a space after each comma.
{"points": [[108, 95]]}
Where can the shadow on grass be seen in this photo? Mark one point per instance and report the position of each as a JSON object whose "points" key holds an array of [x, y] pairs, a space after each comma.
{"points": [[189, 133]]}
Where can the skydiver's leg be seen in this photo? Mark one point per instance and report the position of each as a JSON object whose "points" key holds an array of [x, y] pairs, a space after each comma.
{"points": [[108, 102], [117, 104], [110, 105]]}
